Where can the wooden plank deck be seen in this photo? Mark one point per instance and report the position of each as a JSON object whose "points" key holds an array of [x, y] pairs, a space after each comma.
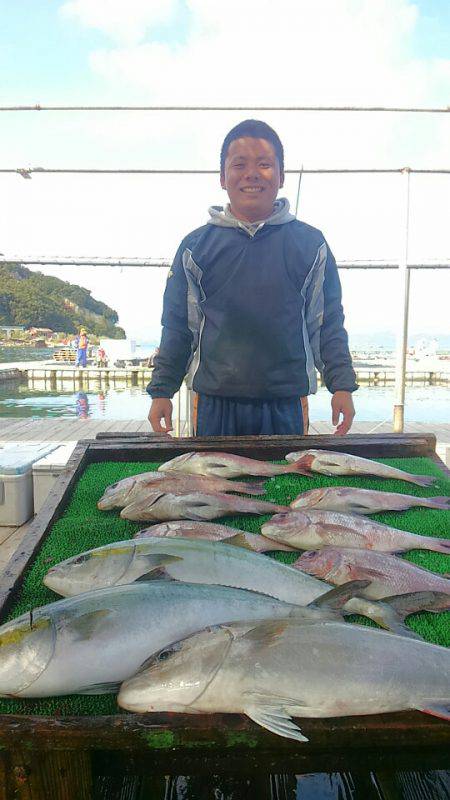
{"points": [[59, 430]]}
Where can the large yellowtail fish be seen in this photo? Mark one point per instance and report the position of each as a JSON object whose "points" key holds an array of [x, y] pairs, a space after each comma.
{"points": [[274, 671], [313, 529], [328, 462], [226, 465], [89, 644], [350, 500]]}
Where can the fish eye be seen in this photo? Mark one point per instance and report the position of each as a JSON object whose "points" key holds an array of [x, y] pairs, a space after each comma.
{"points": [[164, 655]]}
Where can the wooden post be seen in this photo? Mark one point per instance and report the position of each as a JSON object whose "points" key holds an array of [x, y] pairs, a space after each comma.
{"points": [[57, 775]]}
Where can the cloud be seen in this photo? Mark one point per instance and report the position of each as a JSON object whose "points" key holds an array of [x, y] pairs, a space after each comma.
{"points": [[124, 22]]}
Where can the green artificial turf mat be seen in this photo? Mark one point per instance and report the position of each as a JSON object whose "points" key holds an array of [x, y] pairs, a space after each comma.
{"points": [[83, 527]]}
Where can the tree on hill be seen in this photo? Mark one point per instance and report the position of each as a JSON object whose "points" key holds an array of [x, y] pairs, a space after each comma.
{"points": [[33, 299]]}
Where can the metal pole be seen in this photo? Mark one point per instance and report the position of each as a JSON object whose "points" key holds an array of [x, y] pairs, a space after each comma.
{"points": [[402, 340], [178, 413], [298, 190]]}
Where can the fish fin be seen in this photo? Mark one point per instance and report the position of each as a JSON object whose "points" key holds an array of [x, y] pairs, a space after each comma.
{"points": [[423, 480], [159, 559], [266, 633], [386, 617], [438, 709], [240, 540], [85, 627], [337, 597], [411, 603], [438, 502], [158, 574], [271, 713], [101, 688]]}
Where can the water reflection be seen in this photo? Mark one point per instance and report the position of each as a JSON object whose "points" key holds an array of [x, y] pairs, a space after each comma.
{"points": [[40, 399], [82, 405], [364, 785]]}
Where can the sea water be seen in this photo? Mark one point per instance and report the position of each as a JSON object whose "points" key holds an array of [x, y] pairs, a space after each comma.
{"points": [[373, 403]]}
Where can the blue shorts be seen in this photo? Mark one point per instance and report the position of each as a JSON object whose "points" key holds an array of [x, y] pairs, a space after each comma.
{"points": [[228, 416]]}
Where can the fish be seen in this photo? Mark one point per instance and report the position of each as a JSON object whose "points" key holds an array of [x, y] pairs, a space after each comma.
{"points": [[195, 505], [313, 529], [89, 644], [226, 465], [328, 462], [214, 533], [389, 575], [190, 560], [135, 488], [351, 500], [205, 562], [273, 671]]}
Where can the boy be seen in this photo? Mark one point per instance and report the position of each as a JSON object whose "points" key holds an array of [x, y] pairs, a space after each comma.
{"points": [[252, 305]]}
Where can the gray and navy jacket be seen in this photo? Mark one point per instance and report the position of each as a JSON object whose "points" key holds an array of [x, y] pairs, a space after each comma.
{"points": [[251, 310]]}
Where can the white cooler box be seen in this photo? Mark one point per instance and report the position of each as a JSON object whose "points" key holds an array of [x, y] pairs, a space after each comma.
{"points": [[47, 469], [16, 479]]}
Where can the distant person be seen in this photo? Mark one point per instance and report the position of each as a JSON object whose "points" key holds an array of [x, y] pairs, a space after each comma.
{"points": [[82, 405], [81, 344], [102, 361], [252, 307], [151, 361]]}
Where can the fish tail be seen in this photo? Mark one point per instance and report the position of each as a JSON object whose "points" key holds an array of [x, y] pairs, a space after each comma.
{"points": [[422, 480], [388, 618], [301, 467], [405, 604], [254, 487], [436, 502], [436, 544]]}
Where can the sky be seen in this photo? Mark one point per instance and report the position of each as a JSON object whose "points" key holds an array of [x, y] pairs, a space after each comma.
{"points": [[187, 52]]}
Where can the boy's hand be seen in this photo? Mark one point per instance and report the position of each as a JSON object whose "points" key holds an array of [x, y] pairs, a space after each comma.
{"points": [[342, 403], [161, 409]]}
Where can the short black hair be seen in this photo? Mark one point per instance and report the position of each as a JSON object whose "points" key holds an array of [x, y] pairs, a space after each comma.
{"points": [[257, 130]]}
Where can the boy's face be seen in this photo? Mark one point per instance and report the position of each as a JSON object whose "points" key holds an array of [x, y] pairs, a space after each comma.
{"points": [[252, 178]]}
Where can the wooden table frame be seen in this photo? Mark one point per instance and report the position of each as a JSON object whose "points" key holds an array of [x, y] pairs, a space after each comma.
{"points": [[206, 742]]}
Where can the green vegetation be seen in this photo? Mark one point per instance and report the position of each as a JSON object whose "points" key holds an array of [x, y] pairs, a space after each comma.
{"points": [[33, 299], [83, 527]]}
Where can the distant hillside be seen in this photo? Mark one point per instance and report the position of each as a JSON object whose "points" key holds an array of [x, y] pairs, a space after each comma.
{"points": [[33, 299]]}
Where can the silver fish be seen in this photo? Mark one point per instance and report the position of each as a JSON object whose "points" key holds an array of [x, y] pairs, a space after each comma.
{"points": [[388, 574], [196, 506], [89, 644], [329, 462], [134, 489], [194, 561], [351, 500], [214, 533], [274, 671], [313, 529], [226, 465], [204, 562]]}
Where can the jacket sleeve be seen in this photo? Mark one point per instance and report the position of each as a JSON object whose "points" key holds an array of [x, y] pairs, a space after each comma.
{"points": [[325, 323], [176, 340]]}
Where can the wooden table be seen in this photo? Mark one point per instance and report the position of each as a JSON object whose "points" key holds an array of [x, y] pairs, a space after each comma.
{"points": [[55, 758]]}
